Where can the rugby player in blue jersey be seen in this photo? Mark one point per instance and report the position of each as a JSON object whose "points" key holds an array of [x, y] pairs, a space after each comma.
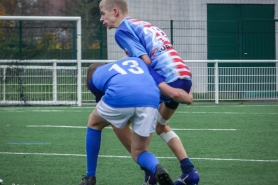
{"points": [[143, 40], [118, 91]]}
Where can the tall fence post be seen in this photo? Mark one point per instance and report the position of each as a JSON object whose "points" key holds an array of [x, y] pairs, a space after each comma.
{"points": [[54, 83], [216, 82], [277, 76], [172, 32], [4, 84], [79, 57], [74, 37], [20, 83]]}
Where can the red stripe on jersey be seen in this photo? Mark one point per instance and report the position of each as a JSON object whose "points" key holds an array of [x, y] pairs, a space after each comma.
{"points": [[185, 73], [184, 66], [173, 54], [178, 60], [148, 25], [180, 66], [167, 42]]}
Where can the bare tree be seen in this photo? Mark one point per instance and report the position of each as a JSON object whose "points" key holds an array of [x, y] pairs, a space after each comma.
{"points": [[88, 10]]}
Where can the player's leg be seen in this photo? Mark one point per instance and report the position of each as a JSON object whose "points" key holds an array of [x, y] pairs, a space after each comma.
{"points": [[124, 135], [143, 124], [166, 110], [93, 140], [147, 160], [166, 133]]}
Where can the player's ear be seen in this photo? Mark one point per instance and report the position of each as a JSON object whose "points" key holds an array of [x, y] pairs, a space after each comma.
{"points": [[116, 11]]}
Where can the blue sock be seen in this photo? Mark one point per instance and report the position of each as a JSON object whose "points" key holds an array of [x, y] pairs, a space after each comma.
{"points": [[93, 140], [186, 165], [147, 161]]}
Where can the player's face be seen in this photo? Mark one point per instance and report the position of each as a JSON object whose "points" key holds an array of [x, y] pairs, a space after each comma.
{"points": [[108, 18]]}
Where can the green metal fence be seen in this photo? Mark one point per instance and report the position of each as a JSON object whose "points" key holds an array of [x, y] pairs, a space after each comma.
{"points": [[194, 40], [21, 40]]}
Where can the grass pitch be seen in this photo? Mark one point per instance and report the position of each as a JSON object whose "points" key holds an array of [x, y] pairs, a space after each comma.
{"points": [[228, 144]]}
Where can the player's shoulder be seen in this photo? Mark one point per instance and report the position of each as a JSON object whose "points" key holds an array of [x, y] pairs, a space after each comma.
{"points": [[123, 25], [133, 62], [139, 60]]}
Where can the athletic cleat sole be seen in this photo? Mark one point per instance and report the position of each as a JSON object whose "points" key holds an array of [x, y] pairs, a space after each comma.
{"points": [[162, 176]]}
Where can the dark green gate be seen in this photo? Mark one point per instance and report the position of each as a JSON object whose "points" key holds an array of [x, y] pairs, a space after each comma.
{"points": [[243, 32]]}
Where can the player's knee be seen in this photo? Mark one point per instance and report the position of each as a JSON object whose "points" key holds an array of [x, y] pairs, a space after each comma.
{"points": [[160, 129], [94, 124], [167, 136], [161, 120], [91, 120], [190, 100]]}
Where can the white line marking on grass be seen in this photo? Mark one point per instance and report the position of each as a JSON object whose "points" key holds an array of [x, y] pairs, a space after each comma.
{"points": [[49, 154], [51, 111], [63, 126], [242, 160], [229, 105], [41, 109], [14, 111], [179, 112], [29, 143], [47, 110], [55, 126], [211, 129], [114, 156]]}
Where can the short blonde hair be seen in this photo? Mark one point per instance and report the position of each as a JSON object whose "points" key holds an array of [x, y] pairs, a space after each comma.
{"points": [[110, 4]]}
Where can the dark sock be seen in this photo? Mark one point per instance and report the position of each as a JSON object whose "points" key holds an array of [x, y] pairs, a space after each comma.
{"points": [[186, 165], [147, 172]]}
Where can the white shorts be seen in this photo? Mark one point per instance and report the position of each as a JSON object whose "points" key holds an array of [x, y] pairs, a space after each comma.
{"points": [[143, 119]]}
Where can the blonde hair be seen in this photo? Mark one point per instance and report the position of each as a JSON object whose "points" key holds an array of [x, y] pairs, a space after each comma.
{"points": [[110, 4]]}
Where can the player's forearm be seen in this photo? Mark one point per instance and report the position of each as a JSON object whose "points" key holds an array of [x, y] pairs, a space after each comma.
{"points": [[146, 59], [175, 93], [182, 96]]}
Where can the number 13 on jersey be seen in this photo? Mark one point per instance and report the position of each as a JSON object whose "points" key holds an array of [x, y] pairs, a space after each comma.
{"points": [[133, 67]]}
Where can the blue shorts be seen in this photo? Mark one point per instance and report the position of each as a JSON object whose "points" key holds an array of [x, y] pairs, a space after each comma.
{"points": [[179, 83]]}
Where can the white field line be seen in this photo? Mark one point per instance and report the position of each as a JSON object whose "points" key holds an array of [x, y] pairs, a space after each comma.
{"points": [[64, 126], [44, 108], [35, 110], [230, 105], [180, 112], [114, 156], [177, 112], [92, 107]]}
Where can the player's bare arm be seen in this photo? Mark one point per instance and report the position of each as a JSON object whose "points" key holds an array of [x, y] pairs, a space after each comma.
{"points": [[176, 93], [146, 59]]}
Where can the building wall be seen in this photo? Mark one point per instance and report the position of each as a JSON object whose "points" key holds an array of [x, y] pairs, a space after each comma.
{"points": [[186, 10]]}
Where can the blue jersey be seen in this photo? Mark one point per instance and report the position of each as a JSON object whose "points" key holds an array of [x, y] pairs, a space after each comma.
{"points": [[137, 38], [125, 83]]}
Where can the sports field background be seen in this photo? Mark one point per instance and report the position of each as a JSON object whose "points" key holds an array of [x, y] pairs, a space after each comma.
{"points": [[229, 145]]}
